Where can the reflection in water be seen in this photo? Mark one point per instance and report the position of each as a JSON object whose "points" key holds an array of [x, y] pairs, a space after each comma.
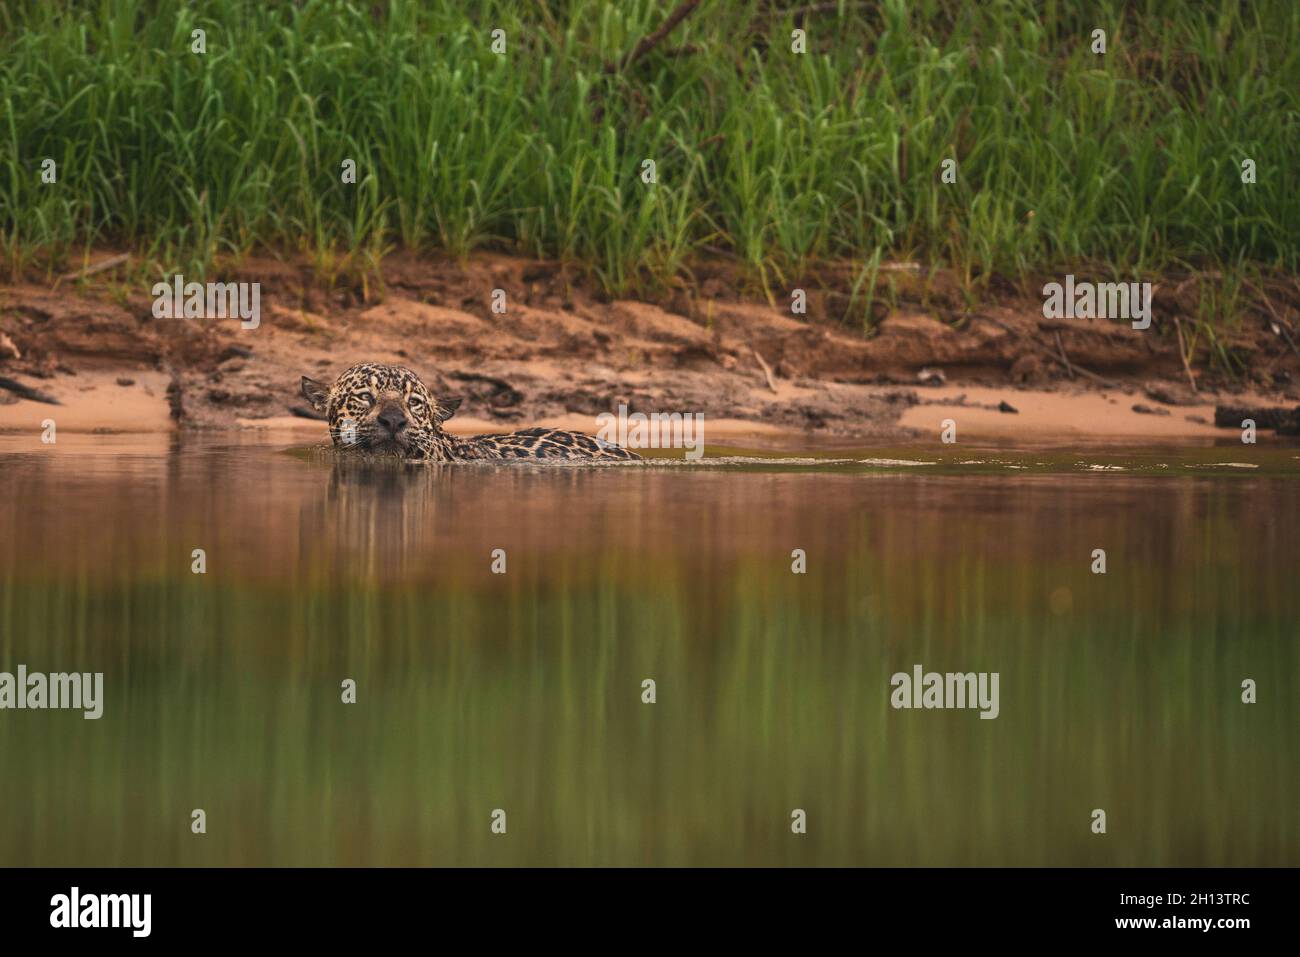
{"points": [[523, 691]]}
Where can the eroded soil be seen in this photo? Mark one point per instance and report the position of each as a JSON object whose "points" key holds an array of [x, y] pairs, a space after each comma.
{"points": [[563, 353]]}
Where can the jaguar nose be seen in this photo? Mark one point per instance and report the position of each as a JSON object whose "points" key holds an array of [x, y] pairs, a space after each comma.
{"points": [[393, 420]]}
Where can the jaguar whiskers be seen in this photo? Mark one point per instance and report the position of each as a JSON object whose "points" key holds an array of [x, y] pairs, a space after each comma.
{"points": [[386, 410]]}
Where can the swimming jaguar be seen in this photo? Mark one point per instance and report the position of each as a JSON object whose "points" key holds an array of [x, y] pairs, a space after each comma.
{"points": [[387, 410]]}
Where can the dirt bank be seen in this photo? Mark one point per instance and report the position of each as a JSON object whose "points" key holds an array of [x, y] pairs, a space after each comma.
{"points": [[561, 353]]}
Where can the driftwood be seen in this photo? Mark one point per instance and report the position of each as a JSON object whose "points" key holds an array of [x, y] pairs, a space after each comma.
{"points": [[1048, 353], [27, 392], [1182, 354], [834, 7], [652, 40], [1285, 421], [767, 369], [501, 395], [101, 266], [644, 46], [1065, 360]]}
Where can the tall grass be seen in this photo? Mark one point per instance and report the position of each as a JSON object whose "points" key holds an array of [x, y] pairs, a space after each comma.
{"points": [[1131, 158]]}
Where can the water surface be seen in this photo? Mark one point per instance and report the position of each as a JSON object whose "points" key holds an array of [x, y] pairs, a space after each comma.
{"points": [[523, 691]]}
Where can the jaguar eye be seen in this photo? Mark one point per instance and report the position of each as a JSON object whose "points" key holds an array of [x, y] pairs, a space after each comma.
{"points": [[367, 398], [416, 405]]}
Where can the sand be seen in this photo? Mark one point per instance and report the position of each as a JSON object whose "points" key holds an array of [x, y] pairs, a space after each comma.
{"points": [[561, 355]]}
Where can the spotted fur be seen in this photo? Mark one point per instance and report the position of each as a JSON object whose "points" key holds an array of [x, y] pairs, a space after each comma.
{"points": [[387, 410]]}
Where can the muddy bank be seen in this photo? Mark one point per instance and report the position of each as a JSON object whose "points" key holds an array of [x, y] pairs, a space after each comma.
{"points": [[562, 354]]}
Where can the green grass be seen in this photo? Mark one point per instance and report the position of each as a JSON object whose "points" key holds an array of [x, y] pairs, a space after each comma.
{"points": [[1129, 161]]}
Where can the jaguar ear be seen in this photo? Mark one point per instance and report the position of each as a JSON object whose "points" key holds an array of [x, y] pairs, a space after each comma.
{"points": [[317, 393], [447, 406]]}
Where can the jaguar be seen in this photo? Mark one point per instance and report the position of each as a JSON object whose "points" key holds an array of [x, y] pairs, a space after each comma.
{"points": [[387, 410]]}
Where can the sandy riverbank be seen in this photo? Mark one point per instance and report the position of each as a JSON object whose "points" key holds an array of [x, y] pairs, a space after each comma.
{"points": [[561, 356]]}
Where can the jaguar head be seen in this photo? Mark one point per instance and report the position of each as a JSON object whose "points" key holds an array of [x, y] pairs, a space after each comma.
{"points": [[381, 409]]}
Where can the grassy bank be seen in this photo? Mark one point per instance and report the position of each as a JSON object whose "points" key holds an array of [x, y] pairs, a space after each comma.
{"points": [[1129, 161]]}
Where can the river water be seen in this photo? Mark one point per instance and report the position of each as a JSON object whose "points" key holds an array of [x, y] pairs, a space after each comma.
{"points": [[500, 625]]}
